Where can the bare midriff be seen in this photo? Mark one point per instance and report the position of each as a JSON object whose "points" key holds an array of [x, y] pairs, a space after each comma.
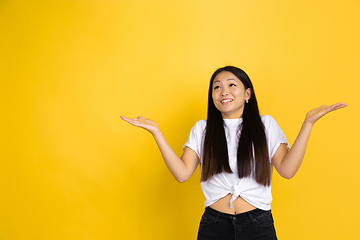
{"points": [[239, 204]]}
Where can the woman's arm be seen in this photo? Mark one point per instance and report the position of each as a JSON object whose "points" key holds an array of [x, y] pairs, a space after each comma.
{"points": [[287, 162], [181, 168]]}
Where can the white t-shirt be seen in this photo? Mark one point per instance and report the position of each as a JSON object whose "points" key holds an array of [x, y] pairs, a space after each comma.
{"points": [[220, 185]]}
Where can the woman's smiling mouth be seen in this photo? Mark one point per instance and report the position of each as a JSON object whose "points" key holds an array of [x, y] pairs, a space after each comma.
{"points": [[226, 100]]}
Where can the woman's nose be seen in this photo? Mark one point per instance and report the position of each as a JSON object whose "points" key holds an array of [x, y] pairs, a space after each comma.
{"points": [[224, 92]]}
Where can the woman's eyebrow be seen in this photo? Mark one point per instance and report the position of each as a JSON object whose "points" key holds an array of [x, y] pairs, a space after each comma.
{"points": [[226, 80]]}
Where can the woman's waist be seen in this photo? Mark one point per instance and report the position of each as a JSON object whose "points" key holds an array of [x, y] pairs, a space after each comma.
{"points": [[248, 216], [239, 204]]}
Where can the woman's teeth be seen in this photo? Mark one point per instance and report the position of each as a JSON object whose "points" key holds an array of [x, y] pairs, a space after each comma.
{"points": [[225, 101]]}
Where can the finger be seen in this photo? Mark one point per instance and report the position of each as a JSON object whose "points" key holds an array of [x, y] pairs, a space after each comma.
{"points": [[144, 120], [125, 118], [320, 111], [337, 106], [132, 121], [340, 105], [332, 108]]}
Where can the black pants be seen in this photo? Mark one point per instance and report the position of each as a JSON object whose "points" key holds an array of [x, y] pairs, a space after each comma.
{"points": [[255, 224]]}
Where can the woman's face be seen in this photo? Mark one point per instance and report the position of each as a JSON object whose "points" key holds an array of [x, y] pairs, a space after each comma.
{"points": [[229, 95]]}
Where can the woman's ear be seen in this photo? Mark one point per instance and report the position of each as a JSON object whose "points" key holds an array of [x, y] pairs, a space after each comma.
{"points": [[248, 93]]}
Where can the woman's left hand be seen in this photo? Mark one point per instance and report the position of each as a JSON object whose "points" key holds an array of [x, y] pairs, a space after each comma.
{"points": [[316, 114]]}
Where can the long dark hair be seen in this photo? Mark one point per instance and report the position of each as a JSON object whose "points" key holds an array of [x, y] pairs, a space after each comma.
{"points": [[252, 152]]}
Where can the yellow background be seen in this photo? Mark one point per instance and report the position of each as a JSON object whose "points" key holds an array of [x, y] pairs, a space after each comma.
{"points": [[72, 169]]}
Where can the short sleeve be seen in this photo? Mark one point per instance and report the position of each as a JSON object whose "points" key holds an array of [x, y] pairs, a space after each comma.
{"points": [[275, 136], [196, 138]]}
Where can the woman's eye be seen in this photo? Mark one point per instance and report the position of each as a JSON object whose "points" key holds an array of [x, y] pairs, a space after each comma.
{"points": [[232, 85], [216, 87]]}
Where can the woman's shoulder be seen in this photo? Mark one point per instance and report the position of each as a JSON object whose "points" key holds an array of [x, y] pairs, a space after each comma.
{"points": [[267, 118], [203, 121], [200, 124], [198, 129]]}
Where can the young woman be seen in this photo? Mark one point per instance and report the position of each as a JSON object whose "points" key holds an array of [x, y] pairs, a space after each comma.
{"points": [[237, 149]]}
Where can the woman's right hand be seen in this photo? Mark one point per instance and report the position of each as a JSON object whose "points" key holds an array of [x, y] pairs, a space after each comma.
{"points": [[144, 123], [181, 169]]}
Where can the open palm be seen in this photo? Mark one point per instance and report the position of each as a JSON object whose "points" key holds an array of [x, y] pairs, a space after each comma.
{"points": [[316, 114], [142, 122]]}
